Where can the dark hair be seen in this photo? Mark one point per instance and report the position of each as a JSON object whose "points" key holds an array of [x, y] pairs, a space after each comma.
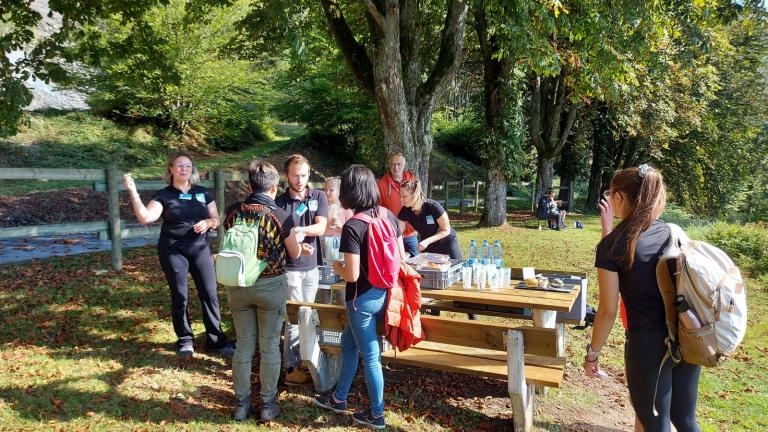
{"points": [[262, 175], [292, 159], [358, 188], [643, 189]]}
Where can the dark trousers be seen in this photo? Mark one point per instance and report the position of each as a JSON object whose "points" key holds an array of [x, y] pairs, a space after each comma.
{"points": [[177, 261], [675, 398]]}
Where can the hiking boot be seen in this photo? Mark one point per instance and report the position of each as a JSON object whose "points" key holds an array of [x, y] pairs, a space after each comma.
{"points": [[270, 410], [186, 349], [366, 418], [328, 401], [227, 350], [243, 409], [298, 376]]}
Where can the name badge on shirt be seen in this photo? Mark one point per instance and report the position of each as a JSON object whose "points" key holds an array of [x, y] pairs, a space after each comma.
{"points": [[301, 209], [183, 196], [312, 205], [200, 197], [430, 220]]}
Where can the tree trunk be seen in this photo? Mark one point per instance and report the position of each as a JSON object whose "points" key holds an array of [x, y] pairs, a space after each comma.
{"points": [[549, 129], [392, 71], [595, 175], [495, 213], [496, 73]]}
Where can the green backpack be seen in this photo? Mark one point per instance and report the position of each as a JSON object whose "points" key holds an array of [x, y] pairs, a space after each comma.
{"points": [[238, 264]]}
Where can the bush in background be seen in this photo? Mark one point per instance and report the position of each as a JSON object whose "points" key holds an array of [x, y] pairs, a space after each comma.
{"points": [[169, 67], [745, 244]]}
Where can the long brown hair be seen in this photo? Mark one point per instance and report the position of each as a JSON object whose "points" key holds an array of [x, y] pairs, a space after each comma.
{"points": [[644, 191]]}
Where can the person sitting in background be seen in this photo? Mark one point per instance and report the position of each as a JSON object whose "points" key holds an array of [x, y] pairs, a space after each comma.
{"points": [[548, 209]]}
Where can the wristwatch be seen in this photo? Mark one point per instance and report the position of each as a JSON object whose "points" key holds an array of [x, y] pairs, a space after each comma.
{"points": [[592, 355]]}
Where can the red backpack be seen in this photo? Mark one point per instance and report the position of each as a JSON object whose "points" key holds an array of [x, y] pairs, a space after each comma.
{"points": [[383, 253]]}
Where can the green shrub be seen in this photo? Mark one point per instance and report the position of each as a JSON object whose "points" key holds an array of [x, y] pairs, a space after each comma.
{"points": [[462, 137], [746, 244]]}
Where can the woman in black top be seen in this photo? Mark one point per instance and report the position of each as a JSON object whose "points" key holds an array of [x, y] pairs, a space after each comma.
{"points": [[188, 213], [366, 303], [429, 219], [626, 261]]}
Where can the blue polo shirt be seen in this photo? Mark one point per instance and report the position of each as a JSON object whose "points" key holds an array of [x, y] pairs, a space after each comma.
{"points": [[303, 212]]}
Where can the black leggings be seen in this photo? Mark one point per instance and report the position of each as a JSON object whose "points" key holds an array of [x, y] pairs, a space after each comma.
{"points": [[677, 385], [177, 262]]}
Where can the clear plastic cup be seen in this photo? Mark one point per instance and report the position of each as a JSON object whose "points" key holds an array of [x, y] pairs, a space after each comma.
{"points": [[506, 276], [481, 277], [466, 276]]}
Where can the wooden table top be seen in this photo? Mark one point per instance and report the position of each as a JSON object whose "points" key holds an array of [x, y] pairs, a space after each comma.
{"points": [[510, 297]]}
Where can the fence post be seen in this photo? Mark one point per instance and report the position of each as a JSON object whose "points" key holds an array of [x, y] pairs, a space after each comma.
{"points": [[445, 184], [219, 185], [113, 203], [477, 196], [461, 199], [430, 185]]}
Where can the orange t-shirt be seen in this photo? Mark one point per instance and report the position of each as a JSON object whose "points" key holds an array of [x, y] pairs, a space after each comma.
{"points": [[389, 191]]}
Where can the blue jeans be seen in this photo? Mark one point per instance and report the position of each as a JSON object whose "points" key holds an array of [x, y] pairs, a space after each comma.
{"points": [[360, 336], [410, 244]]}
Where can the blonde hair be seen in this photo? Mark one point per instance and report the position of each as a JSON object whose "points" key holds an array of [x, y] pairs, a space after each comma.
{"points": [[643, 188], [414, 187], [295, 158], [333, 180], [168, 175]]}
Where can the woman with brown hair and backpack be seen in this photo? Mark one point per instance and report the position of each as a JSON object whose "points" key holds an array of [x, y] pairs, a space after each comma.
{"points": [[626, 261]]}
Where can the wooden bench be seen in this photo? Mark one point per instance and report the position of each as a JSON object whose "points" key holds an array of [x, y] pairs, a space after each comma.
{"points": [[524, 356]]}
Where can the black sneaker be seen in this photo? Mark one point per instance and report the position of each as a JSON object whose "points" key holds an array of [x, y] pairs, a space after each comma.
{"points": [[227, 350], [367, 418], [327, 401]]}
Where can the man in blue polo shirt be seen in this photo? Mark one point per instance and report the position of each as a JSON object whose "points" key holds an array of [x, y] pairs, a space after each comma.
{"points": [[309, 209]]}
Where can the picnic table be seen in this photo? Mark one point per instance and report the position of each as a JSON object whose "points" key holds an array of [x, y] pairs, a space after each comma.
{"points": [[526, 356]]}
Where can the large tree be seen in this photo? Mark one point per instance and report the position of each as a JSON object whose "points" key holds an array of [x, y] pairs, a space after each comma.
{"points": [[397, 67]]}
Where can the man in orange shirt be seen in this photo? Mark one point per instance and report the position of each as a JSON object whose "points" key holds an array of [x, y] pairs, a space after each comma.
{"points": [[389, 191]]}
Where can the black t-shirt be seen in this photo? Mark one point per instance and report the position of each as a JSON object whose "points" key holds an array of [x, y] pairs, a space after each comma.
{"points": [[273, 229], [425, 223], [638, 286], [181, 211], [354, 240], [303, 213]]}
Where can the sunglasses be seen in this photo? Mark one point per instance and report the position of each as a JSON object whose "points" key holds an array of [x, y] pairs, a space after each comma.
{"points": [[607, 194], [183, 165]]}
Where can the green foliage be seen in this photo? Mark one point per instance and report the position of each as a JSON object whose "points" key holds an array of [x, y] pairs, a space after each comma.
{"points": [[462, 137], [170, 66], [745, 244], [340, 118]]}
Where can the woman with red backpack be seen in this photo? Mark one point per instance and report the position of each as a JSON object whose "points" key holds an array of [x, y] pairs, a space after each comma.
{"points": [[366, 302], [626, 261]]}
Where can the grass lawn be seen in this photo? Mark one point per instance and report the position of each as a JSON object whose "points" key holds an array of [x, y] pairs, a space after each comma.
{"points": [[85, 348]]}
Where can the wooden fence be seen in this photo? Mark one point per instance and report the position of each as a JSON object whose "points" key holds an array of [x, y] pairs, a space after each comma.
{"points": [[109, 180]]}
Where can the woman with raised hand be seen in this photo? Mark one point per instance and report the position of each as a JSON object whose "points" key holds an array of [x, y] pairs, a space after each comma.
{"points": [[660, 390], [188, 213]]}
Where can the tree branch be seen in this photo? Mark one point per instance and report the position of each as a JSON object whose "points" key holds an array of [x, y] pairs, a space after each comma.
{"points": [[409, 49], [570, 120], [450, 55], [354, 53], [535, 123], [375, 14]]}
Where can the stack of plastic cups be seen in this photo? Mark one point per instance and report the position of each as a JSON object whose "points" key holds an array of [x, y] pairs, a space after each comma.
{"points": [[466, 276], [480, 277]]}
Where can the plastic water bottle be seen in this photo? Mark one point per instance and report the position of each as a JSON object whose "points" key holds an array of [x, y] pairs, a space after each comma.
{"points": [[472, 253], [498, 254], [485, 253]]}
